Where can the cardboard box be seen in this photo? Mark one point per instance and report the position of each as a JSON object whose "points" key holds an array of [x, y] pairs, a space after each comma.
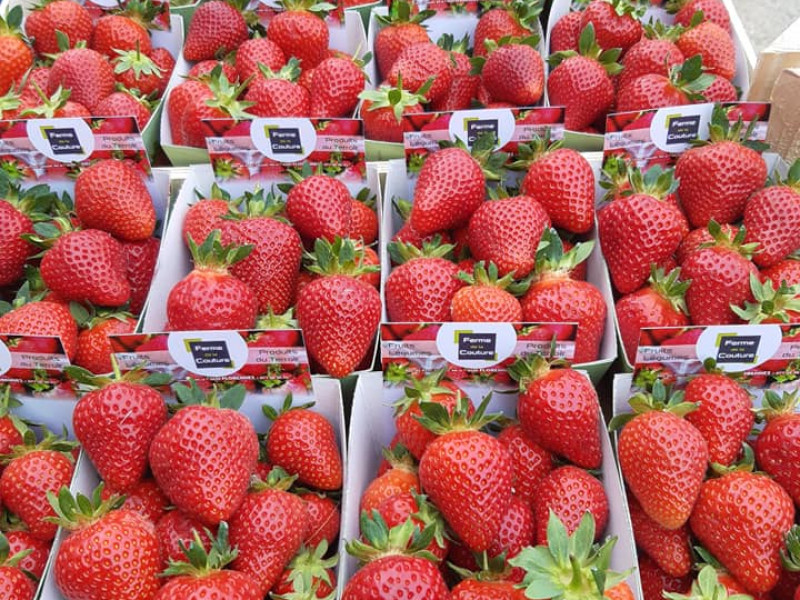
{"points": [[784, 123], [745, 59], [783, 53], [372, 428], [350, 37]]}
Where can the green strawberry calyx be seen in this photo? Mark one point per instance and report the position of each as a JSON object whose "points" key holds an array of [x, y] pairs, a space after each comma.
{"points": [[379, 541], [48, 105], [319, 9], [707, 587], [211, 255], [288, 72], [11, 25], [396, 98], [402, 13], [587, 46], [551, 260], [745, 464], [790, 554], [527, 369], [773, 305], [484, 152], [536, 148], [691, 79], [774, 405], [656, 181], [437, 419], [632, 8], [792, 179], [307, 570], [200, 563], [287, 406], [6, 558], [489, 568], [48, 442], [79, 511], [658, 30], [661, 398], [277, 479], [8, 402], [142, 12], [720, 129], [225, 95], [272, 321], [192, 395], [488, 275], [422, 390], [724, 238], [256, 204], [615, 178], [134, 60], [432, 248], [399, 458], [85, 381], [343, 256], [569, 567], [670, 287]]}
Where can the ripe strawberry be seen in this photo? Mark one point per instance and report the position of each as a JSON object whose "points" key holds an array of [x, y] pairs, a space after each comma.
{"points": [[515, 20], [323, 519], [656, 53], [11, 427], [382, 111], [310, 573], [569, 493], [555, 297], [176, 528], [202, 458], [319, 207], [204, 575], [721, 90], [417, 65], [663, 457], [32, 471], [264, 552], [487, 297], [16, 209], [713, 44], [115, 425], [720, 278], [531, 463], [22, 541], [399, 30], [300, 31], [742, 501], [303, 443], [94, 346], [145, 498], [514, 73], [697, 238], [86, 73], [56, 106], [396, 510], [655, 581], [209, 297], [277, 94], [562, 181], [566, 33], [70, 18], [684, 84], [258, 51], [399, 477], [96, 556], [336, 86], [46, 319], [221, 101], [363, 219], [124, 104], [120, 32], [772, 219], [206, 215], [464, 84], [582, 83], [549, 396], [713, 10], [661, 303], [670, 549], [141, 259], [616, 23], [15, 54], [466, 473], [776, 446], [14, 583], [479, 589], [785, 271], [217, 27], [87, 266], [147, 74], [181, 97]]}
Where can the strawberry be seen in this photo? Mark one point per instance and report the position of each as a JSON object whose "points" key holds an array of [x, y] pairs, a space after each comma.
{"points": [[515, 20], [209, 297], [400, 29], [203, 69], [656, 53], [309, 572], [663, 457], [555, 297], [300, 31], [363, 218], [14, 583], [464, 84], [479, 589], [549, 396], [217, 27], [670, 549], [36, 560], [271, 268], [31, 471], [86, 73], [141, 258], [43, 318], [69, 18], [205, 575], [221, 101], [466, 473], [566, 33], [121, 415], [713, 10], [562, 181], [572, 566], [581, 82], [338, 313], [655, 581], [772, 219], [785, 271], [202, 457], [319, 207], [303, 443], [418, 64], [111, 196], [145, 498], [147, 74], [713, 44], [116, 32], [742, 501], [15, 55], [336, 86], [399, 477], [264, 552], [396, 560], [616, 23], [531, 463], [684, 84], [514, 73], [661, 303], [719, 277], [396, 510], [487, 297], [94, 346], [56, 106], [176, 529], [124, 104], [278, 94], [182, 96], [206, 215], [11, 427], [569, 493], [776, 447], [382, 110], [96, 555], [721, 90], [255, 52], [323, 519], [87, 265], [698, 238]]}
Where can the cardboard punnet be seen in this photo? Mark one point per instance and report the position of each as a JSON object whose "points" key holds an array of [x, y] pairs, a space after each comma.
{"points": [[372, 428], [328, 402], [350, 37], [399, 185], [745, 61], [172, 40]]}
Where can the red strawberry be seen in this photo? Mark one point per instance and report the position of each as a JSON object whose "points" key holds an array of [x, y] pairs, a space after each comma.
{"points": [[14, 583], [46, 319], [22, 541], [654, 54], [264, 552], [277, 94], [514, 73], [549, 396], [662, 456], [566, 33], [399, 476], [15, 220], [217, 27], [141, 257], [616, 23], [220, 100], [721, 90], [400, 29], [323, 519], [180, 99], [145, 498], [336, 86], [742, 501], [147, 74], [15, 54], [466, 473], [114, 32], [203, 457], [785, 271], [209, 297], [300, 31], [772, 219], [697, 238], [70, 18], [11, 427], [478, 589], [714, 45], [124, 104], [422, 68], [258, 51], [205, 215], [515, 20], [86, 73], [397, 509], [303, 443], [94, 346], [382, 111], [487, 297], [531, 462], [319, 207], [363, 219], [776, 446], [655, 581], [464, 84], [176, 528], [670, 549], [684, 84]]}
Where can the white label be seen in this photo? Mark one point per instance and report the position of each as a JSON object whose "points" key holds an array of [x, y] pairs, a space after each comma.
{"points": [[208, 353], [737, 348], [64, 140], [284, 140], [674, 129], [5, 359], [468, 125], [476, 345]]}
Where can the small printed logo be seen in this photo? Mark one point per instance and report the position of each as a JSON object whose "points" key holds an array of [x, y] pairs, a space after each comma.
{"points": [[62, 140], [478, 127], [284, 140], [738, 348], [476, 346], [210, 354], [682, 129]]}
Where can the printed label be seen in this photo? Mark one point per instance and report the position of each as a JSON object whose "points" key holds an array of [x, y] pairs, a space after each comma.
{"points": [[63, 140]]}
